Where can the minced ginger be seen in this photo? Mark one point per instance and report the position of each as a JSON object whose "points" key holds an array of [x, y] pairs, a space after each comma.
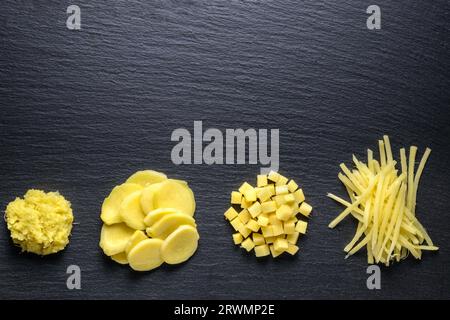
{"points": [[40, 222]]}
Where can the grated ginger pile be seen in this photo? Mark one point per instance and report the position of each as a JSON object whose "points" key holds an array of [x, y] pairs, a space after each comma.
{"points": [[40, 222]]}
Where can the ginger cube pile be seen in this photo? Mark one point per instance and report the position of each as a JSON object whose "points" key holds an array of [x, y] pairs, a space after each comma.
{"points": [[265, 218]]}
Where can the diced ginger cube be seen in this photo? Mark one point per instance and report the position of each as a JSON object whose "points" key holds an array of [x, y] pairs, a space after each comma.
{"points": [[264, 215], [293, 237], [280, 190], [267, 231], [262, 250], [271, 189], [255, 209], [299, 196], [258, 239], [261, 180], [245, 231], [250, 195], [282, 180], [292, 249], [236, 223], [284, 212], [248, 192], [273, 220], [273, 176], [244, 215], [274, 252], [230, 214], [264, 194], [289, 227], [270, 240], [289, 198], [268, 207], [279, 200], [258, 191], [301, 226], [245, 204], [281, 236], [263, 221], [253, 225], [305, 209], [294, 208], [277, 229], [280, 244], [237, 238], [245, 187], [292, 186], [236, 197], [248, 244]]}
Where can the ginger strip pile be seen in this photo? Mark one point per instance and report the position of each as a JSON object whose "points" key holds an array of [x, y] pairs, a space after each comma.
{"points": [[383, 201]]}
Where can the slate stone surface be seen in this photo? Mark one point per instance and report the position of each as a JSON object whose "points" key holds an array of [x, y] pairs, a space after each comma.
{"points": [[82, 110]]}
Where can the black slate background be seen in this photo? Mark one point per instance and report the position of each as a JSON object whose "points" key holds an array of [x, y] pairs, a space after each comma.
{"points": [[82, 110]]}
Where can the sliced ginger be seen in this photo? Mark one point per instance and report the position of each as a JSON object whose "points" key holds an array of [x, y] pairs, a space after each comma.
{"points": [[131, 211], [114, 238], [173, 194], [111, 205], [137, 237], [146, 177], [149, 200], [383, 201], [147, 197], [120, 258], [168, 224], [157, 214], [182, 182], [180, 245], [146, 255]]}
